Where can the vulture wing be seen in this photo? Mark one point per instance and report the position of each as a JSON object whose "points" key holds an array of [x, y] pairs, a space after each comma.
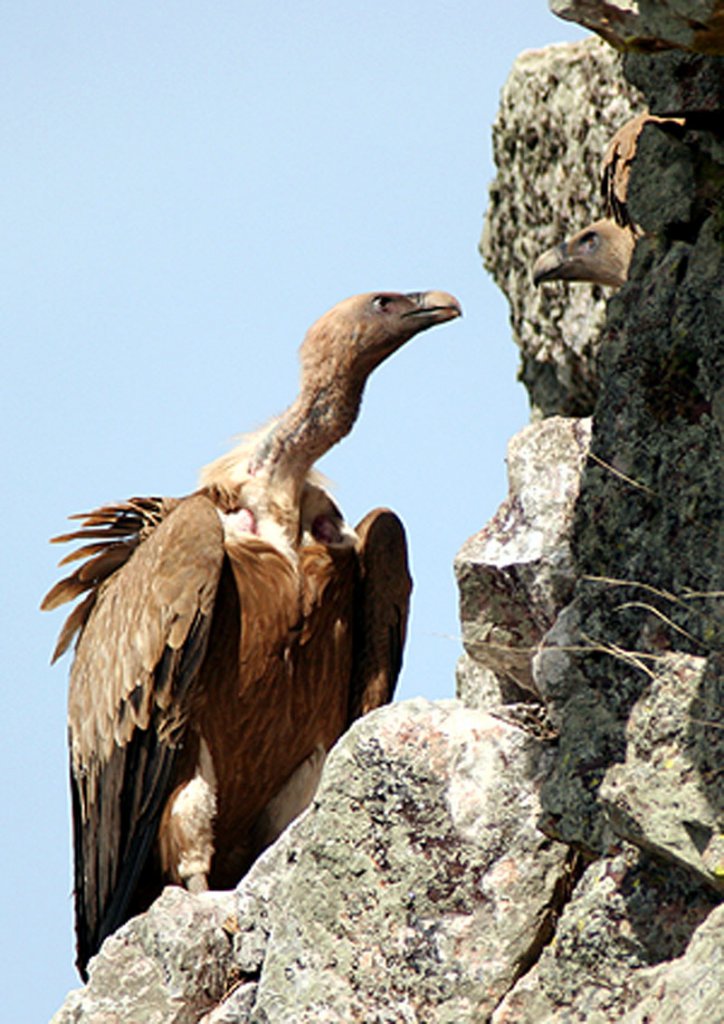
{"points": [[617, 161], [616, 169], [143, 636], [381, 610]]}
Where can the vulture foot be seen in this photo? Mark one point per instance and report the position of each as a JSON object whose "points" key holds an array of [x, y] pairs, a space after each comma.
{"points": [[197, 883], [186, 833]]}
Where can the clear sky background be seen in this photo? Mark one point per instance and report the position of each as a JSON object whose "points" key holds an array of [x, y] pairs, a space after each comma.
{"points": [[184, 188]]}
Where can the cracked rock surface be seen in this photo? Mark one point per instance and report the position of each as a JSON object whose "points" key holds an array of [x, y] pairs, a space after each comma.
{"points": [[559, 108], [415, 889]]}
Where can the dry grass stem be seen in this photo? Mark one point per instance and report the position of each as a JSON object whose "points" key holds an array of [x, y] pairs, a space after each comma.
{"points": [[622, 476]]}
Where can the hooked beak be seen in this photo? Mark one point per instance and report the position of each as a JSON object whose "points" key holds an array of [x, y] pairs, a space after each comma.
{"points": [[551, 265], [434, 307]]}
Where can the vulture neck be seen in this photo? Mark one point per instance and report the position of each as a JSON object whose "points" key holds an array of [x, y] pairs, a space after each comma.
{"points": [[319, 418]]}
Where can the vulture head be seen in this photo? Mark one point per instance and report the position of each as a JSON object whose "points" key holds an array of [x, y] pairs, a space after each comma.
{"points": [[357, 334], [600, 254], [337, 356]]}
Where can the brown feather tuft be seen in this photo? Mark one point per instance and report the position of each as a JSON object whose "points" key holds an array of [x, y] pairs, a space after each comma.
{"points": [[72, 625]]}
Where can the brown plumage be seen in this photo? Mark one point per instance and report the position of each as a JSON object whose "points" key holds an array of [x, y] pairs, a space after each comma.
{"points": [[617, 162], [601, 252], [228, 638]]}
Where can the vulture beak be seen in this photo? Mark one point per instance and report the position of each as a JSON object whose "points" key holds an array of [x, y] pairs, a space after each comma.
{"points": [[552, 265], [598, 254], [433, 307]]}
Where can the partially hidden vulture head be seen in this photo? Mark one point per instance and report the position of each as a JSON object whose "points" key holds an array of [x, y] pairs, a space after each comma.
{"points": [[599, 254]]}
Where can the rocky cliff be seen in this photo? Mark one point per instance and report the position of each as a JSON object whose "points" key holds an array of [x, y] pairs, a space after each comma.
{"points": [[549, 847], [558, 109]]}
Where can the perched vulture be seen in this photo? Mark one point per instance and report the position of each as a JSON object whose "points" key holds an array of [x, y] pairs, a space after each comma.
{"points": [[601, 252], [226, 639]]}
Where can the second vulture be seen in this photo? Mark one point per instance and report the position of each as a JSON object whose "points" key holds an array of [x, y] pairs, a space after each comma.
{"points": [[601, 252], [228, 638]]}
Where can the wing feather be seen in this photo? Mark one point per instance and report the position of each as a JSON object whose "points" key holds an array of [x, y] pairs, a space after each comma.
{"points": [[141, 643], [381, 612], [618, 160], [73, 624], [327, 635], [119, 529]]}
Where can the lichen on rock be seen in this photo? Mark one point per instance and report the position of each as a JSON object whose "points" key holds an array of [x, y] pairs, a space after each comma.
{"points": [[516, 574], [558, 110], [695, 25], [413, 890], [630, 671]]}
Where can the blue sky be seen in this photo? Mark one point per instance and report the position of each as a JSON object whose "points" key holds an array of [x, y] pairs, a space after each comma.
{"points": [[184, 189]]}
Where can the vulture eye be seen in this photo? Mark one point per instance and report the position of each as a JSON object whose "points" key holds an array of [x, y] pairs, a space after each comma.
{"points": [[381, 302], [589, 242]]}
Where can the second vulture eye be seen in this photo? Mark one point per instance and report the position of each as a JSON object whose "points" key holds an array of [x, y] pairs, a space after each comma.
{"points": [[589, 242]]}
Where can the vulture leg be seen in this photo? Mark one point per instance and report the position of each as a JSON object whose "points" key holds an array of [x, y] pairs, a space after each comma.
{"points": [[186, 833]]}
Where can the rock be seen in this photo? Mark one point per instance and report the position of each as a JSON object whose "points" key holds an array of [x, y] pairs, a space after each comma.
{"points": [[641, 769], [167, 966], [516, 574], [419, 883], [696, 25], [478, 687], [631, 669], [689, 988], [236, 1007], [667, 794], [647, 533], [625, 915], [559, 108], [415, 889], [589, 735], [679, 83], [672, 161]]}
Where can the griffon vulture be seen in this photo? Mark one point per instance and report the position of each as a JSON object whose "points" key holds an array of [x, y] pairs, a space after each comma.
{"points": [[228, 638], [601, 252]]}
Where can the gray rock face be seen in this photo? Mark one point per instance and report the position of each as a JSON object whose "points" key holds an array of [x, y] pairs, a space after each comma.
{"points": [[624, 917], [636, 762], [631, 669], [415, 889], [696, 25], [167, 966], [679, 83], [647, 544], [517, 573], [667, 795], [559, 108], [689, 988]]}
